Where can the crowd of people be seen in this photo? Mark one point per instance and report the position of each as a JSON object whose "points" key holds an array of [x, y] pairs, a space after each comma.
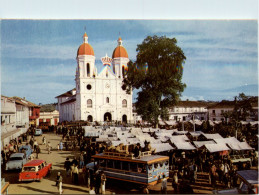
{"points": [[184, 165], [92, 178]]}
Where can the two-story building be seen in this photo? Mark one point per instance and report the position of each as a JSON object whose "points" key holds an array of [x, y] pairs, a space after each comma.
{"points": [[48, 115], [34, 110], [189, 110]]}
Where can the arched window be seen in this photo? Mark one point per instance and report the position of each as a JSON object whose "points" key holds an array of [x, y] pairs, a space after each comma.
{"points": [[89, 103], [107, 100], [123, 71], [88, 69], [124, 103]]}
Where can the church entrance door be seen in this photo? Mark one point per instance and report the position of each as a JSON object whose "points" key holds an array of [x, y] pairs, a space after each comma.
{"points": [[107, 117], [90, 118], [124, 118]]}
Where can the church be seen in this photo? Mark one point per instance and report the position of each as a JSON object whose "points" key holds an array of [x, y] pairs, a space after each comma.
{"points": [[97, 96]]}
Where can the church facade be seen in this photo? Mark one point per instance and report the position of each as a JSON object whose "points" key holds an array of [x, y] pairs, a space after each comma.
{"points": [[97, 96]]}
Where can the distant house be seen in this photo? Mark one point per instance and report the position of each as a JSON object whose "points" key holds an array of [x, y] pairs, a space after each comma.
{"points": [[216, 111], [189, 110], [49, 115], [34, 110], [8, 112]]}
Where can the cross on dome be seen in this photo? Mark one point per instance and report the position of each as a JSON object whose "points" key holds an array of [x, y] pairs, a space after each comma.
{"points": [[85, 37], [119, 41]]}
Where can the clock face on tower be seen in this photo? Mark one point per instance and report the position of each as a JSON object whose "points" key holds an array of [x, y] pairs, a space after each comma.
{"points": [[107, 85]]}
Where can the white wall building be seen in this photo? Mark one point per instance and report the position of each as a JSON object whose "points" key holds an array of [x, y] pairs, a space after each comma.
{"points": [[97, 96], [52, 117], [8, 112], [189, 110]]}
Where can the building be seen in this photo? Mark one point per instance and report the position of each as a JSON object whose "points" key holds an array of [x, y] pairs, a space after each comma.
{"points": [[183, 111], [189, 110], [15, 117], [97, 96], [22, 112], [48, 115], [8, 115], [34, 110], [216, 111]]}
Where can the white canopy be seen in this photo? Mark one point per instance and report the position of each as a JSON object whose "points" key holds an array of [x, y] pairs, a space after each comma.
{"points": [[199, 144], [184, 146], [196, 133], [179, 138], [216, 147], [244, 122], [227, 140], [171, 122], [245, 146], [161, 123], [211, 123], [162, 147], [180, 132], [254, 123], [212, 136]]}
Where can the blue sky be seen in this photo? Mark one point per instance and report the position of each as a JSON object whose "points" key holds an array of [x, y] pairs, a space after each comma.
{"points": [[38, 57]]}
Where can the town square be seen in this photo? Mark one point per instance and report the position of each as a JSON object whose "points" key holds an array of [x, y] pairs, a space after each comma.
{"points": [[129, 106]]}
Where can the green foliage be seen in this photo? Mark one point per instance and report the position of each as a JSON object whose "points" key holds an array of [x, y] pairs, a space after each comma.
{"points": [[157, 72]]}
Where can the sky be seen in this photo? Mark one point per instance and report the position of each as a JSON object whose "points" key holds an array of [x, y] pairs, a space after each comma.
{"points": [[38, 57]]}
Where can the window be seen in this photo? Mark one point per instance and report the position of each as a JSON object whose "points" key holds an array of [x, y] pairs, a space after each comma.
{"points": [[88, 69], [123, 71], [102, 163], [89, 103], [214, 119], [213, 111], [125, 166], [175, 118], [89, 87], [134, 167], [117, 164], [184, 118], [110, 163], [124, 103], [107, 100]]}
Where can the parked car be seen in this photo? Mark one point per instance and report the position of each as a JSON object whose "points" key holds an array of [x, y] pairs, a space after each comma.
{"points": [[35, 170], [38, 132], [27, 149], [249, 183], [16, 161]]}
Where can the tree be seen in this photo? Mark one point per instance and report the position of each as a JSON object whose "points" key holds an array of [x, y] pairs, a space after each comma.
{"points": [[157, 72], [242, 108]]}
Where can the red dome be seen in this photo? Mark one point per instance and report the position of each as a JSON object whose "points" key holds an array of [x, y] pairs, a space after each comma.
{"points": [[85, 49], [120, 52]]}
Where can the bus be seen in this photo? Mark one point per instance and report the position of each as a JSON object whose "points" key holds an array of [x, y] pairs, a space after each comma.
{"points": [[146, 170]]}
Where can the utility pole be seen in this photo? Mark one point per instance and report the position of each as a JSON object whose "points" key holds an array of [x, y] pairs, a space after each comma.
{"points": [[193, 123]]}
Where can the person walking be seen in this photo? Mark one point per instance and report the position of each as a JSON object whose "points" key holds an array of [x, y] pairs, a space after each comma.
{"points": [[44, 140], [76, 172], [103, 181], [213, 175], [61, 145], [97, 182], [81, 161], [35, 144], [67, 165], [164, 185], [175, 182], [87, 177], [37, 151], [48, 146], [72, 167], [59, 183]]}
